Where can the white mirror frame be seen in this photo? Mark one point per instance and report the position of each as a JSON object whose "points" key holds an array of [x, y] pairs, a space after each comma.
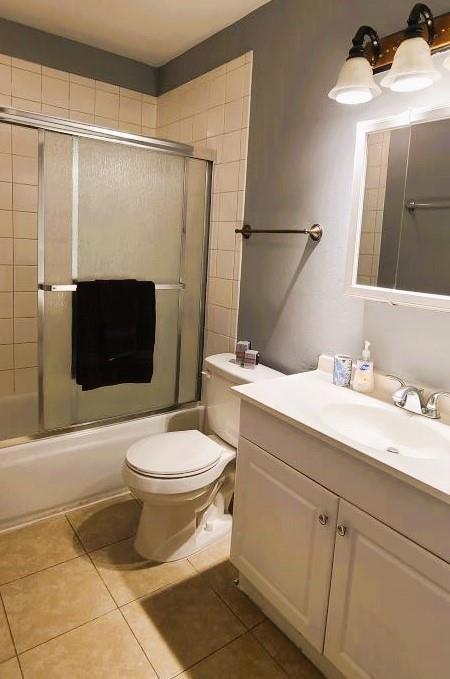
{"points": [[389, 295]]}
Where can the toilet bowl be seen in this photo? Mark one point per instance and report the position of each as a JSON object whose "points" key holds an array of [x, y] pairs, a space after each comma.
{"points": [[185, 479]]}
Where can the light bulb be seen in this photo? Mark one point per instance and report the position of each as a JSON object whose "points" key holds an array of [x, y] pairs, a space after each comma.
{"points": [[413, 68], [411, 83], [355, 83], [355, 96]]}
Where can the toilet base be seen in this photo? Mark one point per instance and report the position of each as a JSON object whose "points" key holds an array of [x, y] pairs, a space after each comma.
{"points": [[176, 531], [203, 536]]}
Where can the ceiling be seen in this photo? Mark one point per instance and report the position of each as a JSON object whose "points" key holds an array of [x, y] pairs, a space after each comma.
{"points": [[151, 31]]}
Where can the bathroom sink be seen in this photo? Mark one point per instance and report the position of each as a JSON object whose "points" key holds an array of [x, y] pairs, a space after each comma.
{"points": [[388, 429]]}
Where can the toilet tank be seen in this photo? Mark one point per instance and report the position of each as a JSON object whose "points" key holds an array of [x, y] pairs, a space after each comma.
{"points": [[221, 372]]}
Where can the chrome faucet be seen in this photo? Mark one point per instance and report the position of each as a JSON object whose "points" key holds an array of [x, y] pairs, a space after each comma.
{"points": [[432, 404], [411, 398]]}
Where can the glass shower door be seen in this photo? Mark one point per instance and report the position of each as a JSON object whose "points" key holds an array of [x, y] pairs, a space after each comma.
{"points": [[112, 211]]}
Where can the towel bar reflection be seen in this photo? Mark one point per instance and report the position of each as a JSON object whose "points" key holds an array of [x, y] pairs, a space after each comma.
{"points": [[315, 232], [50, 287], [412, 205]]}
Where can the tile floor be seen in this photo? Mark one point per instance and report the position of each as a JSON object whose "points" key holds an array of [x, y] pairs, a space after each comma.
{"points": [[77, 602]]}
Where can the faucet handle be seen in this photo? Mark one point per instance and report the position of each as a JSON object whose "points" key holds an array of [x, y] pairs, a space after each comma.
{"points": [[432, 409], [397, 379]]}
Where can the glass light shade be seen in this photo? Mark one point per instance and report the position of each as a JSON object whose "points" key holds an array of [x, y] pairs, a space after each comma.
{"points": [[446, 63], [413, 68], [355, 83]]}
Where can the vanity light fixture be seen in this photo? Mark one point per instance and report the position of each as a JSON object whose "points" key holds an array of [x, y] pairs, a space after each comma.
{"points": [[355, 83], [413, 68], [406, 53]]}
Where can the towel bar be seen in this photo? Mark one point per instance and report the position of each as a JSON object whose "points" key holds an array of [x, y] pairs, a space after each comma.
{"points": [[412, 205], [315, 232], [50, 287]]}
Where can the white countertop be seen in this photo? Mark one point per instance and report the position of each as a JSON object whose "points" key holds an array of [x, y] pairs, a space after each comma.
{"points": [[303, 400]]}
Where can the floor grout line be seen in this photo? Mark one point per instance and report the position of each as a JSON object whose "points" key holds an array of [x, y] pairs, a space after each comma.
{"points": [[67, 631], [2, 604], [217, 650], [75, 534], [42, 570], [266, 651], [121, 613], [139, 643], [110, 544], [224, 601], [222, 598]]}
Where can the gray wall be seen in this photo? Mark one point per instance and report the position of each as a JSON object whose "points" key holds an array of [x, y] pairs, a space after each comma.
{"points": [[300, 169], [53, 51]]}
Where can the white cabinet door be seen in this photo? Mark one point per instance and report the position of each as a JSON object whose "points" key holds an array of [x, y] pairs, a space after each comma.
{"points": [[389, 612], [283, 538]]}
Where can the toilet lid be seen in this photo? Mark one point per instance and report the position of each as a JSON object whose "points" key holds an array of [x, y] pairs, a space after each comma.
{"points": [[173, 454]]}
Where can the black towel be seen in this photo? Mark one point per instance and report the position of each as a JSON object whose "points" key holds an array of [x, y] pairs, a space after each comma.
{"points": [[113, 332]]}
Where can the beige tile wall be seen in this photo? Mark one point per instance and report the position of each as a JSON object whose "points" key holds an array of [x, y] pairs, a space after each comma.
{"points": [[213, 111], [18, 259], [30, 87], [373, 210]]}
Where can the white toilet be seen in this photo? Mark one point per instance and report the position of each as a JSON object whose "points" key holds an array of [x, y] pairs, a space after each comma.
{"points": [[185, 479]]}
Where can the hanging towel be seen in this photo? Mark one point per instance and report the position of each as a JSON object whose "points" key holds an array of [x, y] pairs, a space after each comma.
{"points": [[113, 332]]}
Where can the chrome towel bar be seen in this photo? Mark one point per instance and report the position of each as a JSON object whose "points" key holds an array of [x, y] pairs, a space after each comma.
{"points": [[315, 232], [412, 205], [50, 287]]}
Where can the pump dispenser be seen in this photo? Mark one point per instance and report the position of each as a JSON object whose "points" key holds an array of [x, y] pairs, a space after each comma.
{"points": [[366, 351], [363, 380]]}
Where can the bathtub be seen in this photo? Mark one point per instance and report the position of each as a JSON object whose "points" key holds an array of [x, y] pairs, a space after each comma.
{"points": [[43, 477]]}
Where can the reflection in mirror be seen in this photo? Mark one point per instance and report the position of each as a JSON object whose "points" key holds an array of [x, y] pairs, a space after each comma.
{"points": [[405, 230]]}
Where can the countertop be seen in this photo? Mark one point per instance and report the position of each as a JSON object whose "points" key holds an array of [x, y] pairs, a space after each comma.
{"points": [[303, 400]]}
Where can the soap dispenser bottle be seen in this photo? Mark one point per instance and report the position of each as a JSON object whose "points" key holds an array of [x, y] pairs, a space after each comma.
{"points": [[363, 380]]}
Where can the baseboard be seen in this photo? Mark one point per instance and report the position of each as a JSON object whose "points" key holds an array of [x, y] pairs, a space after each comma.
{"points": [[58, 511]]}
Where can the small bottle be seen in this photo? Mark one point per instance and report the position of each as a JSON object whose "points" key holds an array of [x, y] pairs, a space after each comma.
{"points": [[363, 379]]}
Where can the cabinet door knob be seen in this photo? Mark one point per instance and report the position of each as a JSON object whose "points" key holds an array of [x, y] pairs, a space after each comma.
{"points": [[341, 529], [323, 519]]}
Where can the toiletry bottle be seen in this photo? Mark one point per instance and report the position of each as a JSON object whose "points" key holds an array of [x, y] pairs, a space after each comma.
{"points": [[363, 379]]}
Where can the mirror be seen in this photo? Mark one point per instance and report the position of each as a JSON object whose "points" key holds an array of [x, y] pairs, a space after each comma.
{"points": [[401, 237]]}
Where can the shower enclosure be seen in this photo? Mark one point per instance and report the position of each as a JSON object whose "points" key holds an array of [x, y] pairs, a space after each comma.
{"points": [[108, 205]]}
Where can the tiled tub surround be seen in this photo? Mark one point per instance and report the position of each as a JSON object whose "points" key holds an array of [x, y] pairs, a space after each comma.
{"points": [[373, 209], [213, 111], [30, 87], [78, 602], [18, 259]]}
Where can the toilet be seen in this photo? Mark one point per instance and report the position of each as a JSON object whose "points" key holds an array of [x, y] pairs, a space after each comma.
{"points": [[185, 479]]}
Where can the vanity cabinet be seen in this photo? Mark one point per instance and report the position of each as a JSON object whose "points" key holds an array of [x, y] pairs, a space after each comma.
{"points": [[283, 538], [342, 553], [389, 611]]}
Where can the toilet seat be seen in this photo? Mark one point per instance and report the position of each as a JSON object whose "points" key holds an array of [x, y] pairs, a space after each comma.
{"points": [[174, 455]]}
